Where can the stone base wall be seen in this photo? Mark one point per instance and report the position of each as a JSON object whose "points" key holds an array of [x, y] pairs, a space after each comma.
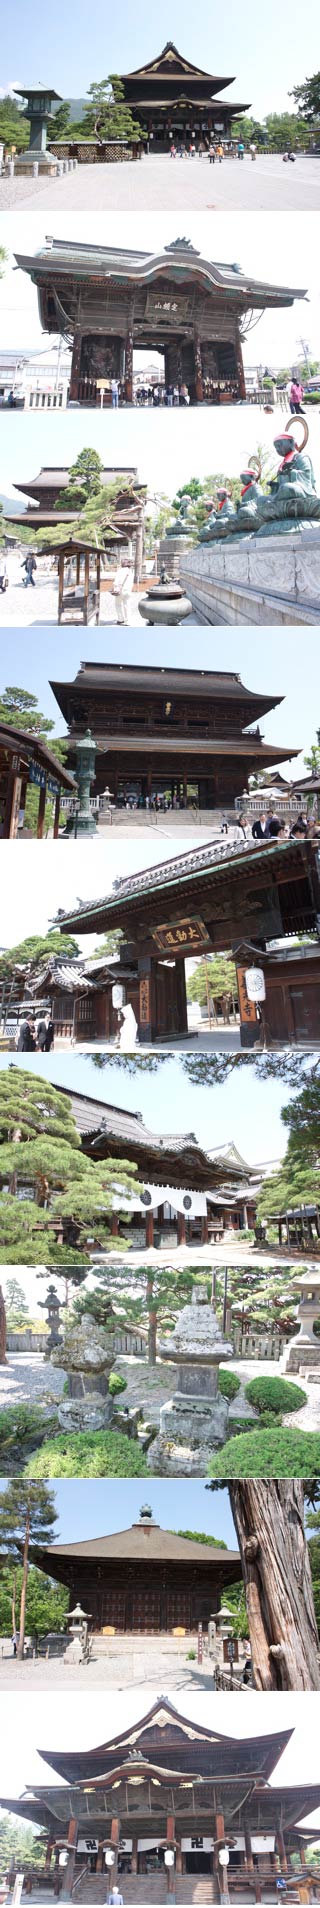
{"points": [[89, 153], [272, 581]]}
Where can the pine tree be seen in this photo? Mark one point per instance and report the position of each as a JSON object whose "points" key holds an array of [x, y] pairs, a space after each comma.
{"points": [[69, 1196], [27, 1514]]}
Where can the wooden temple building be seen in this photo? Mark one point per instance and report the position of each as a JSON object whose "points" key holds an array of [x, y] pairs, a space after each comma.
{"points": [[177, 103], [112, 303], [169, 1786], [183, 1195], [218, 899], [123, 536], [26, 762], [191, 735], [144, 1580]]}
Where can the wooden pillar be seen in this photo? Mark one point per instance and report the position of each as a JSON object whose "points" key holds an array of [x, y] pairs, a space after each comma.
{"points": [[204, 1229], [282, 1851], [146, 998], [56, 817], [128, 365], [60, 583], [86, 585], [149, 1229], [239, 363], [181, 1229], [170, 1871], [250, 1862], [198, 367], [41, 812], [99, 1867], [75, 366], [12, 805], [78, 562], [181, 997], [134, 1856], [48, 1853], [114, 1225], [68, 1871], [114, 1838]]}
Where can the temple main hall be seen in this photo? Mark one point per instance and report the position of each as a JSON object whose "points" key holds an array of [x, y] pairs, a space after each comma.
{"points": [[113, 303], [161, 1809], [191, 735], [175, 101], [145, 1580]]}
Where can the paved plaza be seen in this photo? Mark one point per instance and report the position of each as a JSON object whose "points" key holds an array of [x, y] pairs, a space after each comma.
{"points": [[160, 184], [36, 607], [158, 1661]]}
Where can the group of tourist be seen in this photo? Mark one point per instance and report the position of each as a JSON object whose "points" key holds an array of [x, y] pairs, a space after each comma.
{"points": [[35, 1036], [270, 826]]}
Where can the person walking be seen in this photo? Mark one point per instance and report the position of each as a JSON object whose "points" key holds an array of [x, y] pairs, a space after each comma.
{"points": [[273, 825], [240, 148], [114, 394], [122, 588], [29, 565], [296, 395], [3, 573]]}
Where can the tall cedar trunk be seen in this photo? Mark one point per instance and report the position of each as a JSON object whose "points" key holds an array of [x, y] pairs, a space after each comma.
{"points": [[20, 1647], [13, 1604], [3, 1330], [152, 1329], [269, 1519]]}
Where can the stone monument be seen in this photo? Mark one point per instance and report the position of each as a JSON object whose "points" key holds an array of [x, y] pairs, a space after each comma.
{"points": [[87, 1354], [193, 1422], [304, 1350], [180, 532]]}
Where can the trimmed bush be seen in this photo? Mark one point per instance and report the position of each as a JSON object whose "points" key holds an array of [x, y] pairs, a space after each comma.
{"points": [[274, 1453], [116, 1384], [275, 1394], [20, 1422], [228, 1383], [88, 1454]]}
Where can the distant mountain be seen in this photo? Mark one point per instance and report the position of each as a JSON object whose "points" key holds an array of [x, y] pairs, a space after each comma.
{"points": [[77, 108], [11, 506]]}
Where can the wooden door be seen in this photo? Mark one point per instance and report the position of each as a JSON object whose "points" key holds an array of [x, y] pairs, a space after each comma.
{"points": [[305, 1003]]}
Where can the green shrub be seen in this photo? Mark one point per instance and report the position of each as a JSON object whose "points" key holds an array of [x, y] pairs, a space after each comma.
{"points": [[116, 1383], [236, 1425], [89, 1454], [191, 1656], [275, 1394], [274, 1453], [228, 1383], [20, 1422]]}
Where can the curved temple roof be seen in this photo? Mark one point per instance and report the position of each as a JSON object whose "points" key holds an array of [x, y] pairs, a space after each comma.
{"points": [[64, 260]]}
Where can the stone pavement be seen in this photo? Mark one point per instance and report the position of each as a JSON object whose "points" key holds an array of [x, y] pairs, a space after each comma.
{"points": [[37, 607], [160, 183], [158, 1661]]}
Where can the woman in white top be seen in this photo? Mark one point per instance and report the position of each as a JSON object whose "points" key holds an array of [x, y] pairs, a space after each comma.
{"points": [[122, 587]]}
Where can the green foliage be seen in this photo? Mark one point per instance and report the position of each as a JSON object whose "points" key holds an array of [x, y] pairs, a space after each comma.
{"points": [[214, 975], [228, 1383], [89, 1454], [108, 116], [201, 1537], [17, 1424], [27, 1510], [116, 1384], [275, 1394], [18, 1844], [84, 480], [36, 948], [40, 1149], [20, 709], [60, 121], [273, 1453], [46, 1606], [307, 97], [14, 128], [17, 1309]]}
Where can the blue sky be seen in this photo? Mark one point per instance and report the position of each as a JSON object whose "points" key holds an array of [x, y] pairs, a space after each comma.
{"points": [[270, 663], [91, 1509], [73, 47], [244, 1109]]}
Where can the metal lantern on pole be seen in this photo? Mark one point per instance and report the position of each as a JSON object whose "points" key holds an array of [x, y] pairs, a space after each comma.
{"points": [[85, 772]]}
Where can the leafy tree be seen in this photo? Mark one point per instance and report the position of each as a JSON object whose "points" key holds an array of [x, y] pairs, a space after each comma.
{"points": [[14, 128], [16, 1304], [68, 1193], [59, 121], [307, 97], [109, 945], [285, 131], [46, 1602], [213, 976], [37, 948], [27, 1515], [18, 1845], [20, 710], [312, 761], [201, 1537], [108, 116]]}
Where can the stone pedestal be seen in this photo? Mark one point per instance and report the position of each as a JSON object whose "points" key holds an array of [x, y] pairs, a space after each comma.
{"points": [[260, 581], [195, 1421], [87, 1355], [304, 1350], [172, 550]]}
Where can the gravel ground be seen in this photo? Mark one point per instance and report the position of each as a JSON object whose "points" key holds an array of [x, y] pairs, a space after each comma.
{"points": [[27, 1379], [158, 183], [160, 1662]]}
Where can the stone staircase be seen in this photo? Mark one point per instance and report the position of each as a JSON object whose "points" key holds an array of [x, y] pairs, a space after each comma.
{"points": [[146, 1891]]}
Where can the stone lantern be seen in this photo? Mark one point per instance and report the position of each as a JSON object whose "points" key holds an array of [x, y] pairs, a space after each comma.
{"points": [[52, 1305], [304, 1350], [196, 1418], [38, 109], [85, 772], [87, 1355]]}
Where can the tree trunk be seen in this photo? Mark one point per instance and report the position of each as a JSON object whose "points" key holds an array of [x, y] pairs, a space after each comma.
{"points": [[152, 1329], [3, 1330], [20, 1647], [13, 1604], [269, 1519]]}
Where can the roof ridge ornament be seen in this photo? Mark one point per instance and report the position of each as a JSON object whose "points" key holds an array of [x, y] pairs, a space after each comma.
{"points": [[182, 245]]}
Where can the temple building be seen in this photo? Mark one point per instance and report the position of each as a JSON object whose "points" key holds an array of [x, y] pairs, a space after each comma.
{"points": [[143, 1580], [113, 303], [177, 103], [156, 1807], [44, 512], [189, 735], [238, 899], [184, 1195]]}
